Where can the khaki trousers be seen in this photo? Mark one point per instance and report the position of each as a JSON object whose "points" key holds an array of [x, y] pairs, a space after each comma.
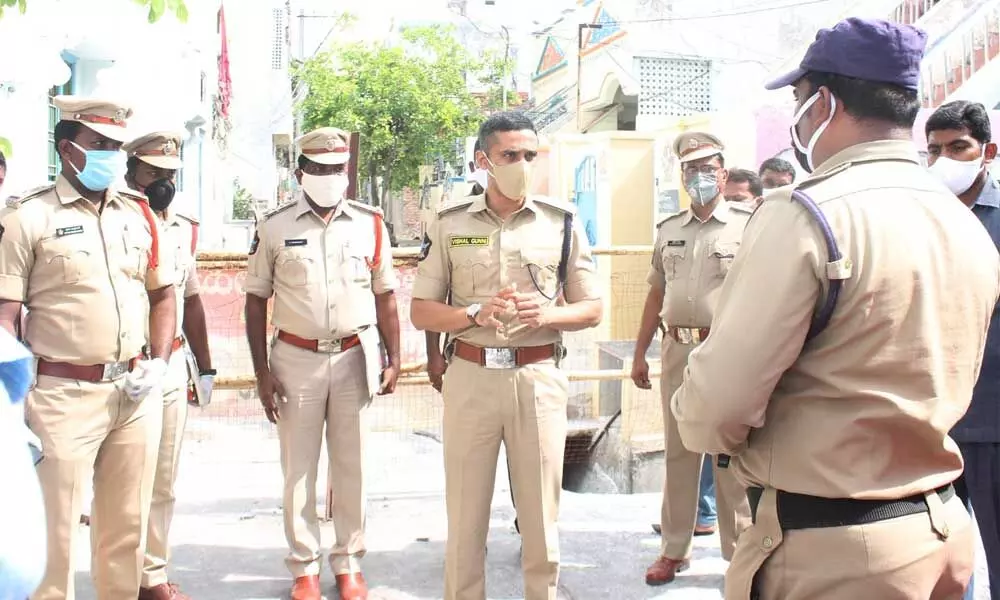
{"points": [[926, 556], [94, 427], [525, 408], [679, 511], [328, 389], [161, 512]]}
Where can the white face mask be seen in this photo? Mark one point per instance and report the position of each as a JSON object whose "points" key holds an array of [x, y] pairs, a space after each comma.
{"points": [[325, 190], [807, 149], [957, 175]]}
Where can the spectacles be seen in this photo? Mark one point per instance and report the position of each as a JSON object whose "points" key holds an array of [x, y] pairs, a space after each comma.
{"points": [[703, 169]]}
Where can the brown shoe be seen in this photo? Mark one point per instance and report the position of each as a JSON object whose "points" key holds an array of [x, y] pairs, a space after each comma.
{"points": [[164, 591], [700, 530], [352, 586], [664, 570], [306, 588]]}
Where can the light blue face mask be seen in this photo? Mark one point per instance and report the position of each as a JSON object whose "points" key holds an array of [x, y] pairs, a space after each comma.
{"points": [[103, 167], [703, 188]]}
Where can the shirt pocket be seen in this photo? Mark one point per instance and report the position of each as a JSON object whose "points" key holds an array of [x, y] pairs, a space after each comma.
{"points": [[674, 258], [72, 260], [136, 247], [723, 255], [540, 271], [356, 269], [294, 267], [474, 272]]}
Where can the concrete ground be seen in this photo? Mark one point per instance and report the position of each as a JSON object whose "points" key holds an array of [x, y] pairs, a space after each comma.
{"points": [[229, 542]]}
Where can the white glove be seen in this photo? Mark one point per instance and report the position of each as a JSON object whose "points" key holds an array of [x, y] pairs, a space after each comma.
{"points": [[206, 382], [147, 376]]}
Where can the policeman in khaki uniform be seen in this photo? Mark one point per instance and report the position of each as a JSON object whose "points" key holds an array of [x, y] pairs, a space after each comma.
{"points": [[86, 261], [837, 419], [328, 263], [693, 252], [153, 161], [498, 256]]}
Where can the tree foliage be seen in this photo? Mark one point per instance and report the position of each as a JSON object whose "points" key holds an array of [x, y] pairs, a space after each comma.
{"points": [[157, 8], [496, 73], [408, 102]]}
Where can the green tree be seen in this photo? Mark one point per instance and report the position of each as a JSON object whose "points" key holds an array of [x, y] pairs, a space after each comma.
{"points": [[496, 71], [408, 102], [242, 202], [157, 8]]}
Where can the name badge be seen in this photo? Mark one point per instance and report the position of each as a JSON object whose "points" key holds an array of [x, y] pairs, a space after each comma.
{"points": [[676, 243], [64, 231], [459, 241], [292, 243]]}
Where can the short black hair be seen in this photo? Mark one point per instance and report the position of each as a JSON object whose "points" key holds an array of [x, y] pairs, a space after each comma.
{"points": [[777, 165], [512, 120], [66, 130], [303, 162], [131, 164], [748, 177], [869, 100], [961, 114]]}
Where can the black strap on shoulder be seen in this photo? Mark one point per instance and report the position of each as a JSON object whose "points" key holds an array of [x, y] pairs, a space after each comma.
{"points": [[563, 271], [822, 317]]}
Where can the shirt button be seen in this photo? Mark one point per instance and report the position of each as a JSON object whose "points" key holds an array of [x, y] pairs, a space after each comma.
{"points": [[767, 542]]}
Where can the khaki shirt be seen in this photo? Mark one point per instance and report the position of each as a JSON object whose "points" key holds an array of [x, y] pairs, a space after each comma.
{"points": [[473, 254], [178, 233], [82, 275], [864, 409], [318, 272], [691, 259]]}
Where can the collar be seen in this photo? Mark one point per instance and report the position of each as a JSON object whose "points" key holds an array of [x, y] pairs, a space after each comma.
{"points": [[721, 214], [479, 204], [869, 152], [990, 196], [68, 195]]}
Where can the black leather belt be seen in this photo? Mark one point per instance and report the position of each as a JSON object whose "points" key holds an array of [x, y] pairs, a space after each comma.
{"points": [[800, 511]]}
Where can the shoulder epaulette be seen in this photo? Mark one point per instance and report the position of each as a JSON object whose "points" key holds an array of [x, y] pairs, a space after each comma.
{"points": [[565, 207], [17, 201], [668, 217], [365, 207], [457, 204], [278, 209], [190, 220], [134, 195]]}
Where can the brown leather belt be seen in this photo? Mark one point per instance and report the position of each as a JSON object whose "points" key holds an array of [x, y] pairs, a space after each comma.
{"points": [[178, 342], [503, 358], [325, 346], [91, 373], [688, 335]]}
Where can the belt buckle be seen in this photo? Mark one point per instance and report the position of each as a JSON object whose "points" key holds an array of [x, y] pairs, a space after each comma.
{"points": [[499, 358], [329, 346], [684, 335], [115, 370]]}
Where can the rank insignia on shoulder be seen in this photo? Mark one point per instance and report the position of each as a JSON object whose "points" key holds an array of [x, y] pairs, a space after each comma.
{"points": [[425, 248], [676, 243], [254, 243]]}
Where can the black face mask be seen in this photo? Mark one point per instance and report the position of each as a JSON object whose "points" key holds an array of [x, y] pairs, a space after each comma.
{"points": [[800, 157], [160, 193]]}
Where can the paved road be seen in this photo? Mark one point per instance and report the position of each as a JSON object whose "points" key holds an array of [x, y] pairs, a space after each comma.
{"points": [[229, 541]]}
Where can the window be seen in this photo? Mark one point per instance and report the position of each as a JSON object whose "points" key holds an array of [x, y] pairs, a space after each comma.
{"points": [[67, 88]]}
